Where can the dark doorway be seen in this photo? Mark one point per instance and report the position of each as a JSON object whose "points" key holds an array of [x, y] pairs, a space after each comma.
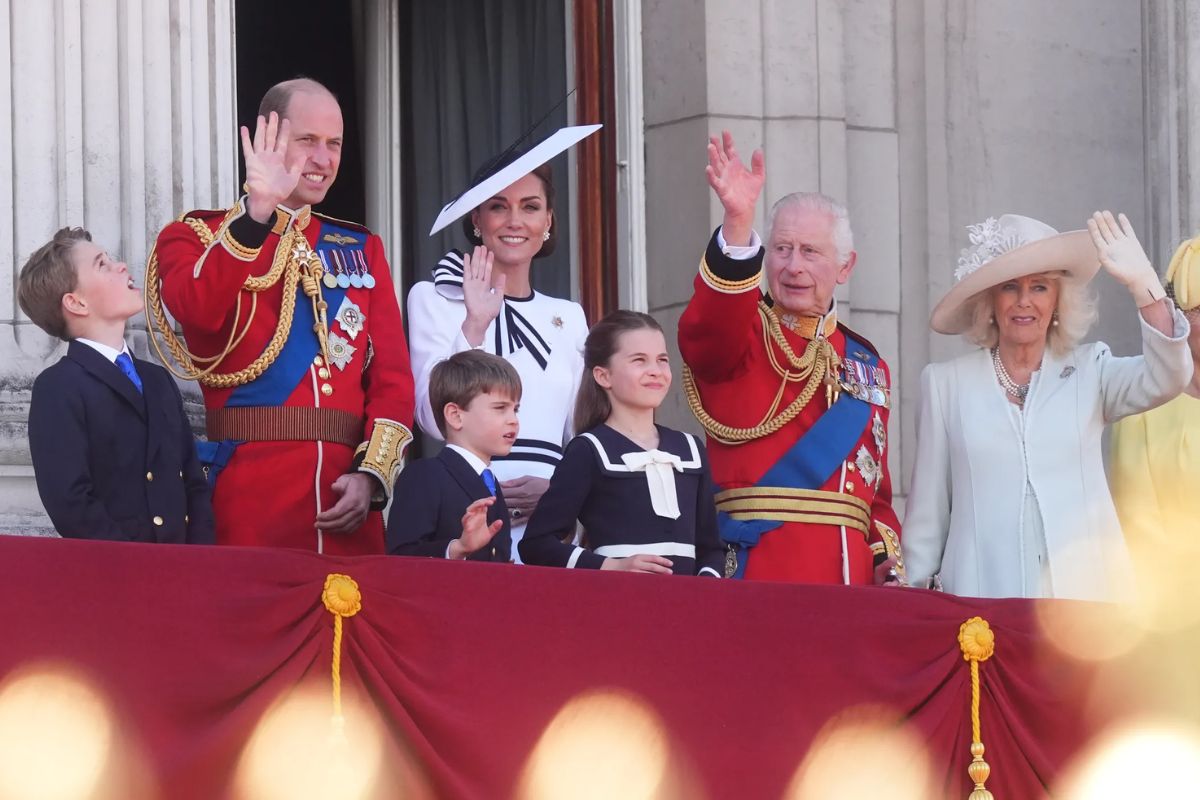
{"points": [[475, 75], [278, 40]]}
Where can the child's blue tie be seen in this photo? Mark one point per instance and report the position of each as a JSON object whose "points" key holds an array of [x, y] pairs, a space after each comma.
{"points": [[126, 365], [489, 480]]}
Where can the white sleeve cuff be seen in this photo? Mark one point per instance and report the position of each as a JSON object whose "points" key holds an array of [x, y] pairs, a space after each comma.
{"points": [[461, 344], [708, 571], [574, 557], [739, 253]]}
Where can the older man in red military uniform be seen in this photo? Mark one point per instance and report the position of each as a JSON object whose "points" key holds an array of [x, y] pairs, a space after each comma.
{"points": [[293, 329], [795, 403]]}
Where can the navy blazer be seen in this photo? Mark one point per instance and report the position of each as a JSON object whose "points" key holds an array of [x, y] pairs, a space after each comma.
{"points": [[428, 504], [111, 463]]}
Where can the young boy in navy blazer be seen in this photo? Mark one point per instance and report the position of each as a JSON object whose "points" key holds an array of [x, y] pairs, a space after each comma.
{"points": [[450, 506], [113, 454]]}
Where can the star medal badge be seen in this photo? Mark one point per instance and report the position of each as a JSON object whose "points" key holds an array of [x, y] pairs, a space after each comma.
{"points": [[556, 321], [880, 433], [868, 467], [351, 317], [340, 350]]}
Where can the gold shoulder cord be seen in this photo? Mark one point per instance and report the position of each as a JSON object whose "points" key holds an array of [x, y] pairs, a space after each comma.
{"points": [[818, 366], [283, 265]]}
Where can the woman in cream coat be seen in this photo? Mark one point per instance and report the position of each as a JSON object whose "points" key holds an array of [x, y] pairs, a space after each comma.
{"points": [[1009, 497]]}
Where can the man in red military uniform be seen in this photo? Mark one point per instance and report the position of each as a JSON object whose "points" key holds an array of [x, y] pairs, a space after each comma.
{"points": [[293, 329], [795, 403]]}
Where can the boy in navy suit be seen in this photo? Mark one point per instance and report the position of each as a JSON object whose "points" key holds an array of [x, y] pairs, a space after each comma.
{"points": [[451, 506], [113, 454]]}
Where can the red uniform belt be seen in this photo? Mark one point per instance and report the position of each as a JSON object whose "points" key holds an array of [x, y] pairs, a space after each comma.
{"points": [[784, 504], [284, 424]]}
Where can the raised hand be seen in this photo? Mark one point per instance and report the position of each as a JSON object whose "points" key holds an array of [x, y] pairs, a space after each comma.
{"points": [[735, 186], [482, 294], [1121, 253], [476, 532], [269, 180]]}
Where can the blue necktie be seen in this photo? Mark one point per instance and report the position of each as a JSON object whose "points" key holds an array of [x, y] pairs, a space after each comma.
{"points": [[489, 480], [126, 365]]}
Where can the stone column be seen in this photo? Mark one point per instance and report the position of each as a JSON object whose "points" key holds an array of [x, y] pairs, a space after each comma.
{"points": [[115, 115], [770, 72], [1171, 83]]}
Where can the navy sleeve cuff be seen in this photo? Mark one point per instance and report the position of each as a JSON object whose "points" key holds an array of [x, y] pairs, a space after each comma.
{"points": [[249, 232]]}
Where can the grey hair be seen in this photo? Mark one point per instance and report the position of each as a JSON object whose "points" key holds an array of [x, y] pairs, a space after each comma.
{"points": [[843, 237], [1076, 311]]}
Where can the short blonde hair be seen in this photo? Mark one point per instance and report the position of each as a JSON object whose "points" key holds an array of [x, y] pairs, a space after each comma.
{"points": [[1076, 311]]}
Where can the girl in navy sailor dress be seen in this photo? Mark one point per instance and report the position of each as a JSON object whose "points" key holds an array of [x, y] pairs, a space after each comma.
{"points": [[642, 492]]}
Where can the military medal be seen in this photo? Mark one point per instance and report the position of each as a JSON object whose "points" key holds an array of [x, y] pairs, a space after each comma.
{"points": [[329, 278], [343, 280], [351, 318], [340, 350], [557, 322], [880, 433]]}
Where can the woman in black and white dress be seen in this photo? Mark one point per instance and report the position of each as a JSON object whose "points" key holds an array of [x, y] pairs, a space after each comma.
{"points": [[484, 299]]}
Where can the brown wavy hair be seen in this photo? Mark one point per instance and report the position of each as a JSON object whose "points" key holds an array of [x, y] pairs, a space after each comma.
{"points": [[592, 405]]}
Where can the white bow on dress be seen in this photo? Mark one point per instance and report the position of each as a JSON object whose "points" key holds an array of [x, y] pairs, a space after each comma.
{"points": [[660, 469]]}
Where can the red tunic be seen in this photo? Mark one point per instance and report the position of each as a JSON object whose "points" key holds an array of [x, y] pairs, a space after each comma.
{"points": [[722, 340], [270, 492]]}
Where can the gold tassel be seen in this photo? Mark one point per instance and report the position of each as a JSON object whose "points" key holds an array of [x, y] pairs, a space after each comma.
{"points": [[342, 599], [978, 643]]}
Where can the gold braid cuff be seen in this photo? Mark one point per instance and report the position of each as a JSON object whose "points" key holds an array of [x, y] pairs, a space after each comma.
{"points": [[891, 547], [232, 246], [383, 455], [719, 284]]}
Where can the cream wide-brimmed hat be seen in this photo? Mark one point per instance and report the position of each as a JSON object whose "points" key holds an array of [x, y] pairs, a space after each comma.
{"points": [[1011, 247]]}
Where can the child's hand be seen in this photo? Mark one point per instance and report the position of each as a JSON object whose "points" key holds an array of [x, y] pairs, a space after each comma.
{"points": [[639, 563], [476, 532]]}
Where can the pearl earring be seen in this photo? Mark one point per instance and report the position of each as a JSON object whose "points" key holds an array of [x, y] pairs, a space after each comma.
{"points": [[475, 231], [546, 235], [991, 320], [1054, 319]]}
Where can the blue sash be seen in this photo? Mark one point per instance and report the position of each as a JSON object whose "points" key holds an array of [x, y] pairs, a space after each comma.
{"points": [[808, 463], [280, 379]]}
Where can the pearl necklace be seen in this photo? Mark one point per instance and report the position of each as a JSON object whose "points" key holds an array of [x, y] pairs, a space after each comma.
{"points": [[1018, 391]]}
